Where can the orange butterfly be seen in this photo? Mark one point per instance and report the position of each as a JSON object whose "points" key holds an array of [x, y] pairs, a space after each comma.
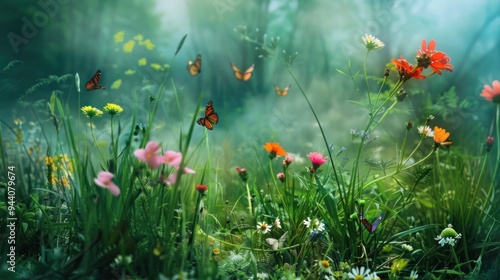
{"points": [[211, 117], [194, 68], [92, 83], [242, 76], [281, 92]]}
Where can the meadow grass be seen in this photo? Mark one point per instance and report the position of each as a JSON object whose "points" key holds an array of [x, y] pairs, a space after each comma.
{"points": [[427, 213]]}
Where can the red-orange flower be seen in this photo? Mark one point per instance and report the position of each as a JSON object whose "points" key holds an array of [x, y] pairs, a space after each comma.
{"points": [[274, 150], [406, 70], [427, 56], [490, 141], [440, 137], [424, 49], [492, 93]]}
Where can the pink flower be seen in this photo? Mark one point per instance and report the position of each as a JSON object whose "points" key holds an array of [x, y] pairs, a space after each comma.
{"points": [[317, 160], [189, 170], [492, 93], [281, 176], [240, 170], [172, 158], [287, 161], [243, 173], [150, 155], [104, 180], [172, 178]]}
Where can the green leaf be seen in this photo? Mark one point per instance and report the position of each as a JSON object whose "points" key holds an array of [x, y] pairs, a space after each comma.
{"points": [[180, 44]]}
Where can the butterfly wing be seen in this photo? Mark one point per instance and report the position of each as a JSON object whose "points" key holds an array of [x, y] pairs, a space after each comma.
{"points": [[248, 73], [92, 84], [282, 239], [240, 75], [365, 223], [376, 223], [237, 72], [273, 242], [281, 92], [211, 117], [194, 68]]}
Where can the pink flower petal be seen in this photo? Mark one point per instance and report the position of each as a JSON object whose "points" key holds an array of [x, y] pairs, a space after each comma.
{"points": [[103, 180], [114, 189], [189, 170], [172, 158]]}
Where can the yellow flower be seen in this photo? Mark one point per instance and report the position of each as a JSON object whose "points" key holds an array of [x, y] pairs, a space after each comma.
{"points": [[119, 37], [48, 160], [149, 45], [138, 37], [398, 265], [143, 61], [113, 109], [216, 251], [116, 84], [129, 72], [325, 263], [60, 170], [90, 111], [129, 46], [156, 66]]}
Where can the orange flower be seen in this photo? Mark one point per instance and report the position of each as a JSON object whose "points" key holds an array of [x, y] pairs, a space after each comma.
{"points": [[440, 137], [429, 57], [406, 70], [274, 150]]}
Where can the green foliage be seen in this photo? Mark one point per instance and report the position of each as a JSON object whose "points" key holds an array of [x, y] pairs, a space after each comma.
{"points": [[446, 105]]}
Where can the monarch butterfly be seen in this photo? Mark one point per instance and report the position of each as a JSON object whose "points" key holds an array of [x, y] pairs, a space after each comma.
{"points": [[211, 117], [92, 83], [277, 243], [194, 68], [281, 92], [371, 227], [245, 76]]}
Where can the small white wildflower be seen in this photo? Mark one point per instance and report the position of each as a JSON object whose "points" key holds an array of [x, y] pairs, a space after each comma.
{"points": [[413, 275], [264, 227], [425, 130], [277, 223], [448, 236], [307, 222], [262, 275], [316, 225], [407, 247], [122, 260], [372, 43], [359, 273]]}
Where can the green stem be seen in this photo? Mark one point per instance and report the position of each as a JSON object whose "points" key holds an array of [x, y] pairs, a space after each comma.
{"points": [[397, 171], [366, 81], [113, 146], [249, 197], [497, 140], [95, 141]]}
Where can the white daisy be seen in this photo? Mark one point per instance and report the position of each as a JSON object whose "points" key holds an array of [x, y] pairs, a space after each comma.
{"points": [[264, 227], [359, 273], [372, 43], [425, 130]]}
